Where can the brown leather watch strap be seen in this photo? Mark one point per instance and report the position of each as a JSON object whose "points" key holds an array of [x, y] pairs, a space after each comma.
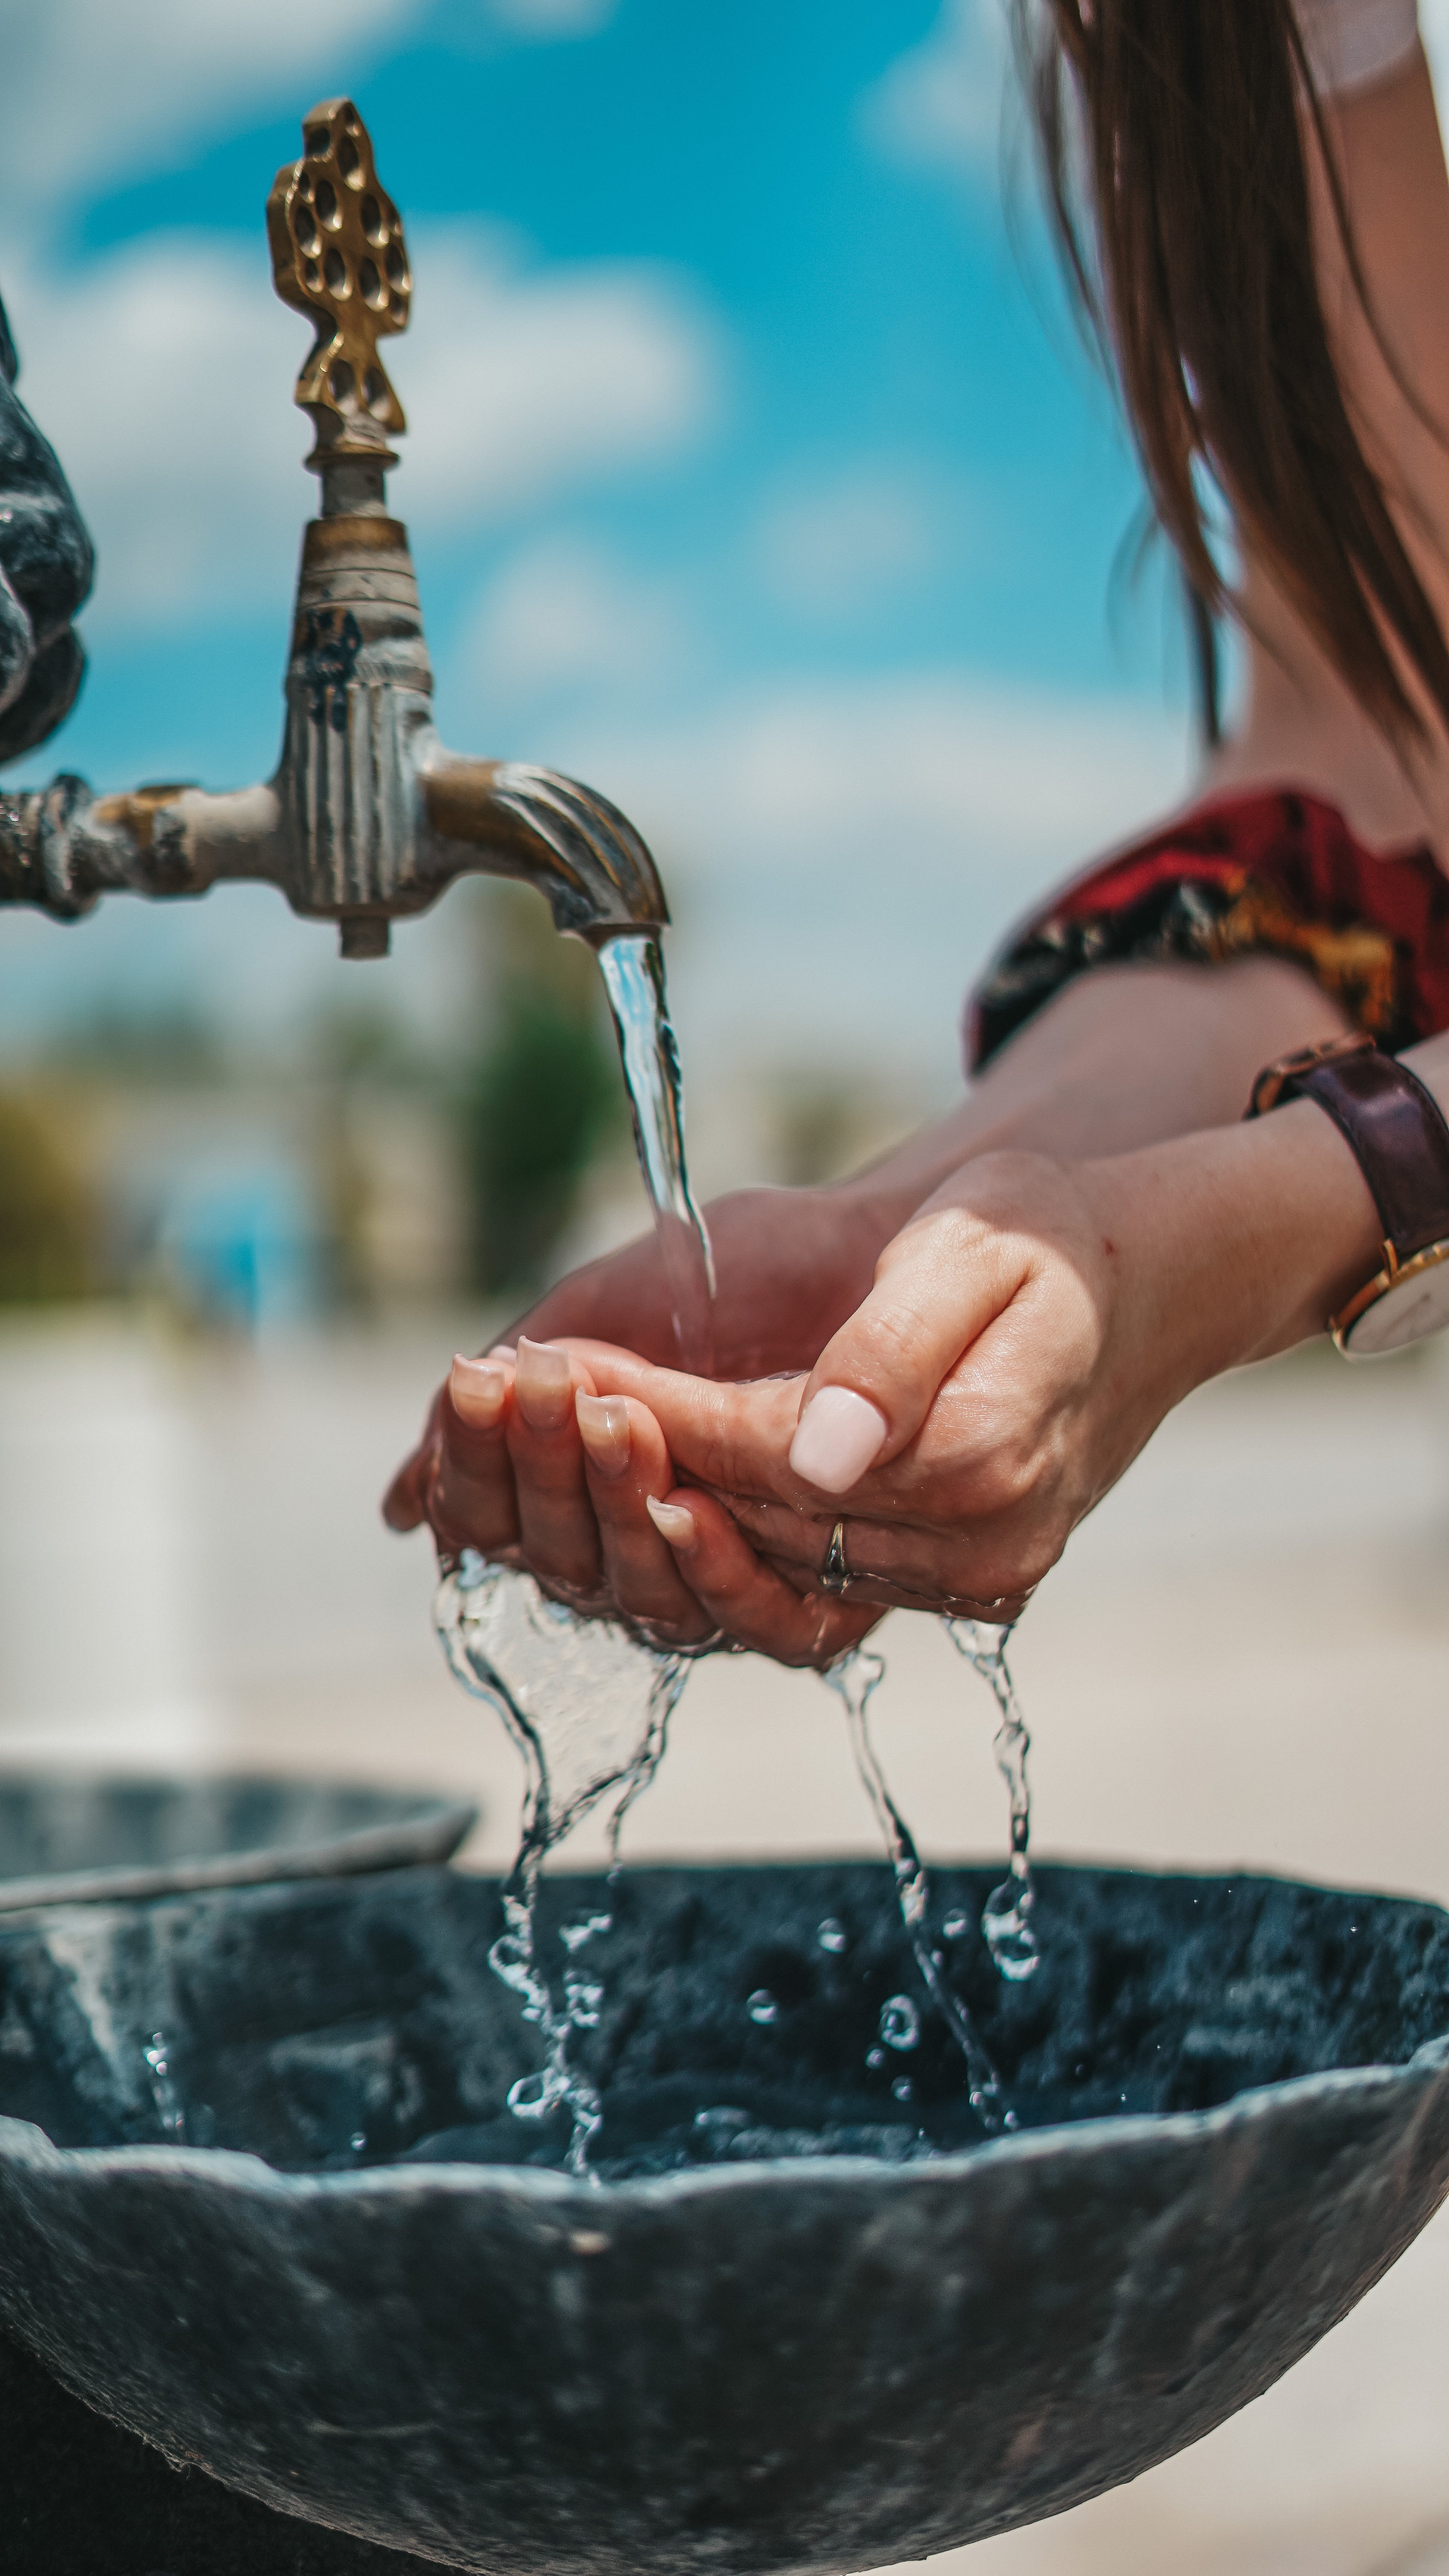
{"points": [[1393, 1126]]}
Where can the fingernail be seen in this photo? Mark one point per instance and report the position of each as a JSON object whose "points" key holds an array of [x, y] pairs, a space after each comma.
{"points": [[672, 1522], [837, 1436], [478, 1393], [604, 1426], [502, 1351], [544, 1383]]}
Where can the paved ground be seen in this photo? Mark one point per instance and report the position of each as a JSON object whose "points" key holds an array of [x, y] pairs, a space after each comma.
{"points": [[1244, 1660]]}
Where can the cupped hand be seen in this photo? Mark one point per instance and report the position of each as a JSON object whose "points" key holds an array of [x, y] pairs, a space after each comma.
{"points": [[531, 1466], [1027, 1332], [994, 1379], [502, 1466], [962, 1421]]}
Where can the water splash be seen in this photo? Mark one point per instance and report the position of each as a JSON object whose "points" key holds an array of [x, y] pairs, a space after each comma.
{"points": [[588, 1707], [632, 966], [1006, 1919], [853, 1677]]}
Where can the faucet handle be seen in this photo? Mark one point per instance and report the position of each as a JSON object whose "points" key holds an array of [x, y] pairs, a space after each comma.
{"points": [[338, 255]]}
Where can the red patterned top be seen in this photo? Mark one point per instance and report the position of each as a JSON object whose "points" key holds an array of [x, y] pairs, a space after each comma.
{"points": [[1273, 873]]}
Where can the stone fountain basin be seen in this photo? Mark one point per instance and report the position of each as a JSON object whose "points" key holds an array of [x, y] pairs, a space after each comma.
{"points": [[1234, 2096], [69, 1837]]}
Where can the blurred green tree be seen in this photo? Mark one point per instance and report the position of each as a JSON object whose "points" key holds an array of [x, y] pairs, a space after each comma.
{"points": [[47, 1222], [544, 1096]]}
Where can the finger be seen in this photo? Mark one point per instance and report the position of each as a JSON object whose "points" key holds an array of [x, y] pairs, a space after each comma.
{"points": [[748, 1599], [557, 1531], [469, 1489], [957, 1571], [938, 1285], [733, 1436], [625, 1463], [462, 1437], [404, 1505]]}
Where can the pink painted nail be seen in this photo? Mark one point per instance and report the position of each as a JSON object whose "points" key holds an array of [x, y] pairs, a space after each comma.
{"points": [[478, 1393], [837, 1436], [604, 1427], [544, 1384], [672, 1522]]}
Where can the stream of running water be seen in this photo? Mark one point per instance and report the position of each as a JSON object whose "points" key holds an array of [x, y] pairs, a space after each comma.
{"points": [[588, 1702], [853, 1677], [1006, 1921]]}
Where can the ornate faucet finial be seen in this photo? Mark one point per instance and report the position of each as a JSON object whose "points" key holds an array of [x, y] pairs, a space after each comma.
{"points": [[338, 255]]}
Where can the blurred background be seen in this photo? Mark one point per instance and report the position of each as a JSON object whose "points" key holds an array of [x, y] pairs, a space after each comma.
{"points": [[754, 475]]}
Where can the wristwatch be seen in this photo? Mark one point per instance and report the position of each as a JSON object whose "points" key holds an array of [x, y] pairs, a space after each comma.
{"points": [[1397, 1132]]}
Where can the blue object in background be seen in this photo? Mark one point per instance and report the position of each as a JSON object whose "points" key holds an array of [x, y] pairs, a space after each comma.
{"points": [[239, 1250]]}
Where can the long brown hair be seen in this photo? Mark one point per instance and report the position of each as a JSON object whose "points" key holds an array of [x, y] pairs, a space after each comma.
{"points": [[1181, 124]]}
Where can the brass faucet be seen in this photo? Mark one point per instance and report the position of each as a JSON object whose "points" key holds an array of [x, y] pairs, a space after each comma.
{"points": [[367, 817]]}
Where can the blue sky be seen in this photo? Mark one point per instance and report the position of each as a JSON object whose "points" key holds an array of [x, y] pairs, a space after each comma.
{"points": [[753, 473]]}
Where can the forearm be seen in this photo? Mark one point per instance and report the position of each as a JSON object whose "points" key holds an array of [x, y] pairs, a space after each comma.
{"points": [[1248, 1239], [1124, 1058]]}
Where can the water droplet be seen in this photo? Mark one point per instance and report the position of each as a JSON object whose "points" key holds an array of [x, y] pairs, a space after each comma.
{"points": [[721, 2120], [875, 2057], [1006, 1922], [534, 2096], [903, 2088], [762, 2006], [574, 1936], [955, 1927], [357, 2141], [900, 2023], [831, 1935]]}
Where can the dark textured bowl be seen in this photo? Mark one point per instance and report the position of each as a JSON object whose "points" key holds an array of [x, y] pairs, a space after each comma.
{"points": [[784, 2360], [73, 1837]]}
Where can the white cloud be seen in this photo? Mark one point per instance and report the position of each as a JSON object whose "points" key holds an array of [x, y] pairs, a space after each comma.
{"points": [[838, 544], [516, 382], [163, 372], [95, 89], [565, 614], [942, 101]]}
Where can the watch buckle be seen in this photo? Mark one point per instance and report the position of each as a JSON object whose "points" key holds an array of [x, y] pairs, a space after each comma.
{"points": [[1268, 1089]]}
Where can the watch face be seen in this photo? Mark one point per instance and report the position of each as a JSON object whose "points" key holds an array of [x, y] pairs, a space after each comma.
{"points": [[1405, 1313]]}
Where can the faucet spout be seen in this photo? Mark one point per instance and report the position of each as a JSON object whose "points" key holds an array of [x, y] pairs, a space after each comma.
{"points": [[507, 819]]}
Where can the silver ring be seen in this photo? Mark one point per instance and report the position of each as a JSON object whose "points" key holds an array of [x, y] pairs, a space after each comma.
{"points": [[835, 1575]]}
